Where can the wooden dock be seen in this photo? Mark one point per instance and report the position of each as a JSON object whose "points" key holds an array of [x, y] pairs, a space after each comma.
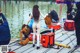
{"points": [[61, 36]]}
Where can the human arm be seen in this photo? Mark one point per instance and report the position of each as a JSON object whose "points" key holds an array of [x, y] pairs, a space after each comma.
{"points": [[42, 16], [3, 17], [21, 35], [30, 17]]}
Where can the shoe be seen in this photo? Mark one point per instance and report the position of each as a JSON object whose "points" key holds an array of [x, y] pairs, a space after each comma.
{"points": [[38, 47], [77, 46], [33, 45]]}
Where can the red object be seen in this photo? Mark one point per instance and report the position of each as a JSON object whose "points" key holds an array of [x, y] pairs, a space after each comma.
{"points": [[55, 26], [11, 52], [31, 37], [59, 1], [69, 25], [47, 40]]}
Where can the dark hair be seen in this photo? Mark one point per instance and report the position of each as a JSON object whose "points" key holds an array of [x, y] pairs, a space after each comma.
{"points": [[24, 26], [36, 12]]}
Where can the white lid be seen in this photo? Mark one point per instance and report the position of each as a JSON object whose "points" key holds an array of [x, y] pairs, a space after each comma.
{"points": [[69, 21]]}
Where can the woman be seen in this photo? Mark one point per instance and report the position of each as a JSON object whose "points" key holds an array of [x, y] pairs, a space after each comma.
{"points": [[36, 25]]}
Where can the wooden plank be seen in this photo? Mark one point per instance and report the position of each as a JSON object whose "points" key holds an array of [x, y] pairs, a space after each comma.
{"points": [[58, 31], [78, 49], [74, 50], [68, 41], [29, 48], [16, 42], [64, 35], [66, 50], [66, 38], [57, 50], [58, 35], [15, 47], [32, 51], [49, 49], [22, 49], [35, 50]]}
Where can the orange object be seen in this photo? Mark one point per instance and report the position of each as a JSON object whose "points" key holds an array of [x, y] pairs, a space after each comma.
{"points": [[55, 26], [11, 52], [59, 1], [69, 25], [47, 40], [48, 20], [31, 37]]}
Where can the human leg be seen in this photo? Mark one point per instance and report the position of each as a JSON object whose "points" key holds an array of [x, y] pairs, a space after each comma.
{"points": [[34, 33], [38, 35]]}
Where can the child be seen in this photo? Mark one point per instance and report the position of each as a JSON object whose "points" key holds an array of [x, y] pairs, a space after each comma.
{"points": [[36, 25], [25, 31]]}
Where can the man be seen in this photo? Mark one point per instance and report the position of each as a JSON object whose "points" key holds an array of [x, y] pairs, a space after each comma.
{"points": [[4, 30], [77, 23]]}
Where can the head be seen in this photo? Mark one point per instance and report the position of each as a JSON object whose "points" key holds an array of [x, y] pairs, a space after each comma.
{"points": [[36, 12], [24, 27], [48, 20]]}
